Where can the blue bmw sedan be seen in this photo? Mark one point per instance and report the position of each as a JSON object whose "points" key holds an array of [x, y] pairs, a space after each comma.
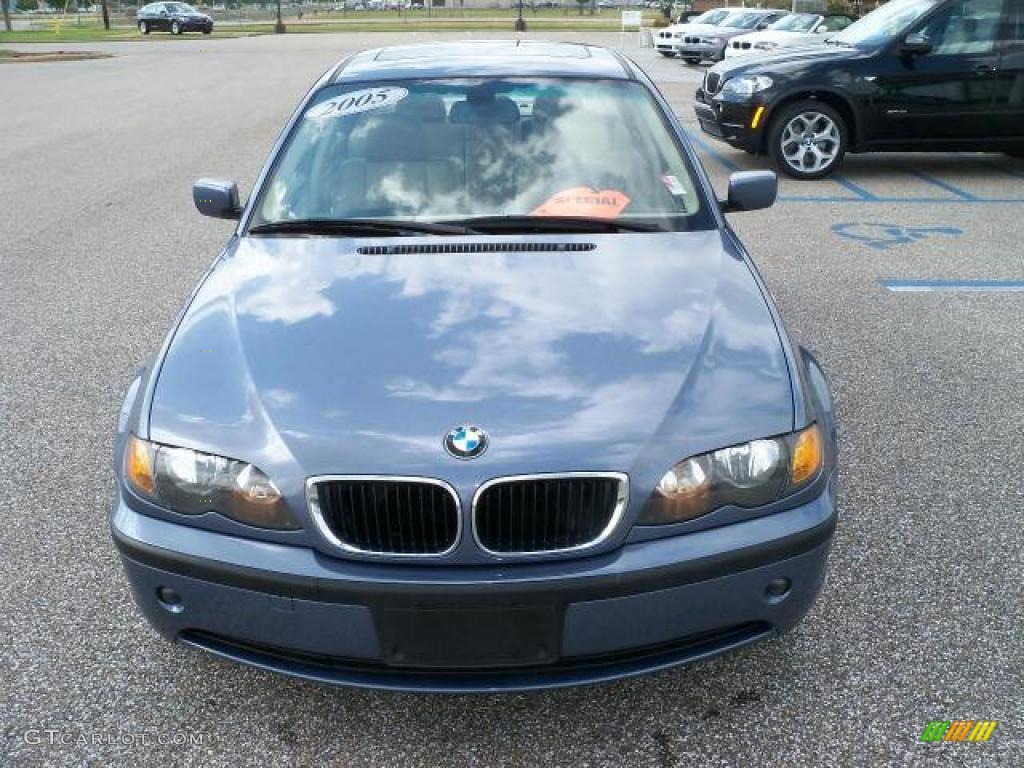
{"points": [[483, 393]]}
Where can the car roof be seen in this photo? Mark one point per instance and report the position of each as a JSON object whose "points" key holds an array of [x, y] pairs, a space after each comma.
{"points": [[483, 58]]}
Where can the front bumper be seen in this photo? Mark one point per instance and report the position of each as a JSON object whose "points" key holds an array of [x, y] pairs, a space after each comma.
{"points": [[196, 25], [700, 51], [646, 607], [665, 44], [730, 121]]}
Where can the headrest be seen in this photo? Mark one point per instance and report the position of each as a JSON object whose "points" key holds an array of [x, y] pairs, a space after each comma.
{"points": [[481, 111], [424, 107], [548, 105]]}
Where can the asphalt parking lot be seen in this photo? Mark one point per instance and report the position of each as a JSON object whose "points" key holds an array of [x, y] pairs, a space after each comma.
{"points": [[903, 274]]}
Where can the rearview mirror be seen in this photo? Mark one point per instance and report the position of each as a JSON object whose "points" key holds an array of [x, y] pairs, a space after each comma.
{"points": [[751, 191], [216, 198], [916, 43]]}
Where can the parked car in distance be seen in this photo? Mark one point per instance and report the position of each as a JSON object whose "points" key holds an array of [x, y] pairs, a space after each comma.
{"points": [[913, 75], [176, 18], [699, 44], [791, 31], [468, 403], [665, 40]]}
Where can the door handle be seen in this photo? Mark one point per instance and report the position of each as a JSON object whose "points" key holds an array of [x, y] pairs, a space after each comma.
{"points": [[984, 69]]}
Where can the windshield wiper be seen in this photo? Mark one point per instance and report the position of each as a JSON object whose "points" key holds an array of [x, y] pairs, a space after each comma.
{"points": [[527, 224], [363, 227]]}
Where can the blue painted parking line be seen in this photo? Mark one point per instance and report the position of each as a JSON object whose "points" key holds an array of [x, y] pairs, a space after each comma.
{"points": [[891, 200], [857, 189], [721, 159], [860, 194], [963, 195], [950, 286]]}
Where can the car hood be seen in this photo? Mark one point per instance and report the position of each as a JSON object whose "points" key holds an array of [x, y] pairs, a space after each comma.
{"points": [[779, 36], [786, 59], [696, 29], [729, 33], [307, 357]]}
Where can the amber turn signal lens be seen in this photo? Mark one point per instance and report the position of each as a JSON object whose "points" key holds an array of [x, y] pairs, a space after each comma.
{"points": [[138, 465], [807, 456]]}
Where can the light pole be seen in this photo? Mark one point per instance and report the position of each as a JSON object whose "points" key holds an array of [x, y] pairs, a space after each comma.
{"points": [[279, 26], [520, 22]]}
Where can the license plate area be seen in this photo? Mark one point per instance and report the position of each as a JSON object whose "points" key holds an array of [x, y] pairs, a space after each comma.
{"points": [[468, 638]]}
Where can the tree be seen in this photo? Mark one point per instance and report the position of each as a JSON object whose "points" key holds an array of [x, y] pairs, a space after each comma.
{"points": [[26, 5], [7, 14], [581, 3], [57, 5]]}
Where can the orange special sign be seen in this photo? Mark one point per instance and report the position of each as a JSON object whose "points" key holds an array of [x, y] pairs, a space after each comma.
{"points": [[584, 201]]}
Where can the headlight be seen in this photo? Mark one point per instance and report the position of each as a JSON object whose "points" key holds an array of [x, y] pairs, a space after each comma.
{"points": [[195, 483], [766, 45], [747, 475], [747, 85]]}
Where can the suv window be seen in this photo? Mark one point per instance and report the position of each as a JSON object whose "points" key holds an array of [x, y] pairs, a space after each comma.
{"points": [[884, 23], [966, 27]]}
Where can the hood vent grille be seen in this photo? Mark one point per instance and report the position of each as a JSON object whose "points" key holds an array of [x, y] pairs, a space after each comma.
{"points": [[413, 248]]}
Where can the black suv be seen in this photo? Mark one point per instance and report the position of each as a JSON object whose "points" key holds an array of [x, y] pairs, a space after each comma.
{"points": [[914, 75]]}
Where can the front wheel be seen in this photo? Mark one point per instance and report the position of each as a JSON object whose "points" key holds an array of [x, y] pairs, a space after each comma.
{"points": [[208, 30], [143, 28], [807, 140], [175, 28], [691, 60], [667, 54]]}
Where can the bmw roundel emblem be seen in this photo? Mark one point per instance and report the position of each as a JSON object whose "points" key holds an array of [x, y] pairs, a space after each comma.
{"points": [[465, 442]]}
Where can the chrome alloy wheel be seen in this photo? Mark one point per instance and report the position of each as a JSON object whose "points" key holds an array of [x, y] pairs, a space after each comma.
{"points": [[810, 142]]}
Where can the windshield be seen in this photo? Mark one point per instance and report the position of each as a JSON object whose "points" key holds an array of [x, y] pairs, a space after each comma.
{"points": [[179, 8], [743, 20], [709, 17], [796, 22], [885, 23], [436, 150]]}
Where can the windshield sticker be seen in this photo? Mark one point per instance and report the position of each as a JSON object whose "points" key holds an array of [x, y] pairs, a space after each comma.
{"points": [[353, 102], [584, 201], [674, 185]]}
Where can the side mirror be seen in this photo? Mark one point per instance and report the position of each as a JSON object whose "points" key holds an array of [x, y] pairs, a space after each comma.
{"points": [[915, 44], [751, 191], [215, 198]]}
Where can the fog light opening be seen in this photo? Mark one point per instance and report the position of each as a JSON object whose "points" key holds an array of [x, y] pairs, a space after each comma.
{"points": [[169, 599], [778, 589]]}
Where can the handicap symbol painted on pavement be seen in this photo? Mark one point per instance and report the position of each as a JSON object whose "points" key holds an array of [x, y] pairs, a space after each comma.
{"points": [[882, 237]]}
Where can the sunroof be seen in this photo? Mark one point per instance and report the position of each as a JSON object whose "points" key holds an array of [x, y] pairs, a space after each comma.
{"points": [[484, 49]]}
